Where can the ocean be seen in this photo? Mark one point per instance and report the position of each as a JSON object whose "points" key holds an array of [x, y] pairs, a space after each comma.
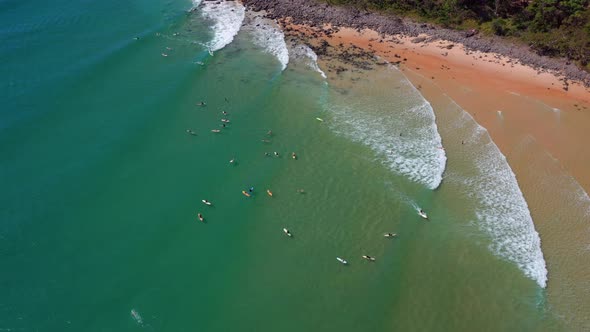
{"points": [[107, 154]]}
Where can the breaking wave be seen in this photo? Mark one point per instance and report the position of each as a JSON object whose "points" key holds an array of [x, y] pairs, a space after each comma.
{"points": [[304, 53], [267, 35], [501, 210], [402, 131], [227, 18]]}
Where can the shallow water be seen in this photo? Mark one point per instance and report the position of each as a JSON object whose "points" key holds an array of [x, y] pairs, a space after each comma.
{"points": [[102, 185]]}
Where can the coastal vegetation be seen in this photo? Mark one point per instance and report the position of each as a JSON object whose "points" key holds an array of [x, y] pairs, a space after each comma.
{"points": [[550, 27]]}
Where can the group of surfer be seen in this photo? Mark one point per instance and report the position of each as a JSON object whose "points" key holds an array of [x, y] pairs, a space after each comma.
{"points": [[250, 191]]}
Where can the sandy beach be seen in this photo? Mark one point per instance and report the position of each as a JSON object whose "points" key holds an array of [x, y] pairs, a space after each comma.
{"points": [[538, 122]]}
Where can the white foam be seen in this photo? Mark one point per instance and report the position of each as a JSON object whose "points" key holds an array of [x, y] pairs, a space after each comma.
{"points": [[136, 316], [417, 154], [196, 3], [267, 35], [227, 18], [503, 212], [303, 52]]}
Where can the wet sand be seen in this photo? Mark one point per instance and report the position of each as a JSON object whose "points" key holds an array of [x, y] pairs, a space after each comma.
{"points": [[539, 122]]}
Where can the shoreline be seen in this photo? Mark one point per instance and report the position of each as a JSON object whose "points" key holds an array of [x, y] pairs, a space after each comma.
{"points": [[317, 15], [503, 96], [538, 119], [537, 125]]}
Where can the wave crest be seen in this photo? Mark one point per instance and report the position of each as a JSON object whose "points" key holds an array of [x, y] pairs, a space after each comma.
{"points": [[227, 18], [267, 35]]}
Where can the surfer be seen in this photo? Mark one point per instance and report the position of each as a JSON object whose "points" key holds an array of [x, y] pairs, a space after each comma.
{"points": [[390, 235], [201, 103], [422, 214], [201, 217], [293, 155], [276, 154], [232, 161], [269, 133], [191, 132], [224, 112], [369, 258], [251, 189], [267, 154], [301, 191]]}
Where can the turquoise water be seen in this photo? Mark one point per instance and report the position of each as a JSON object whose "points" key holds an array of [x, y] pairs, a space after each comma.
{"points": [[102, 184]]}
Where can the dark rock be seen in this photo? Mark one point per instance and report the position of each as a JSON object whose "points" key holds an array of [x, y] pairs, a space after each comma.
{"points": [[316, 14]]}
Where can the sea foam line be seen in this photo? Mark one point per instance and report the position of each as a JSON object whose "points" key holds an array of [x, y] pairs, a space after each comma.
{"points": [[227, 18], [404, 136], [267, 35], [304, 52], [503, 212]]}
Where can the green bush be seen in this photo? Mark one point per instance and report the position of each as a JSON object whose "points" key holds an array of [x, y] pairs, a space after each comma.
{"points": [[552, 27]]}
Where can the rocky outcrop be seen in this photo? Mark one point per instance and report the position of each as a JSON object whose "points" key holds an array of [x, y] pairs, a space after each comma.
{"points": [[318, 14]]}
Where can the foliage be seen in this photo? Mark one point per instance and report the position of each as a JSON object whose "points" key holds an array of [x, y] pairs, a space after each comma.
{"points": [[552, 27]]}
